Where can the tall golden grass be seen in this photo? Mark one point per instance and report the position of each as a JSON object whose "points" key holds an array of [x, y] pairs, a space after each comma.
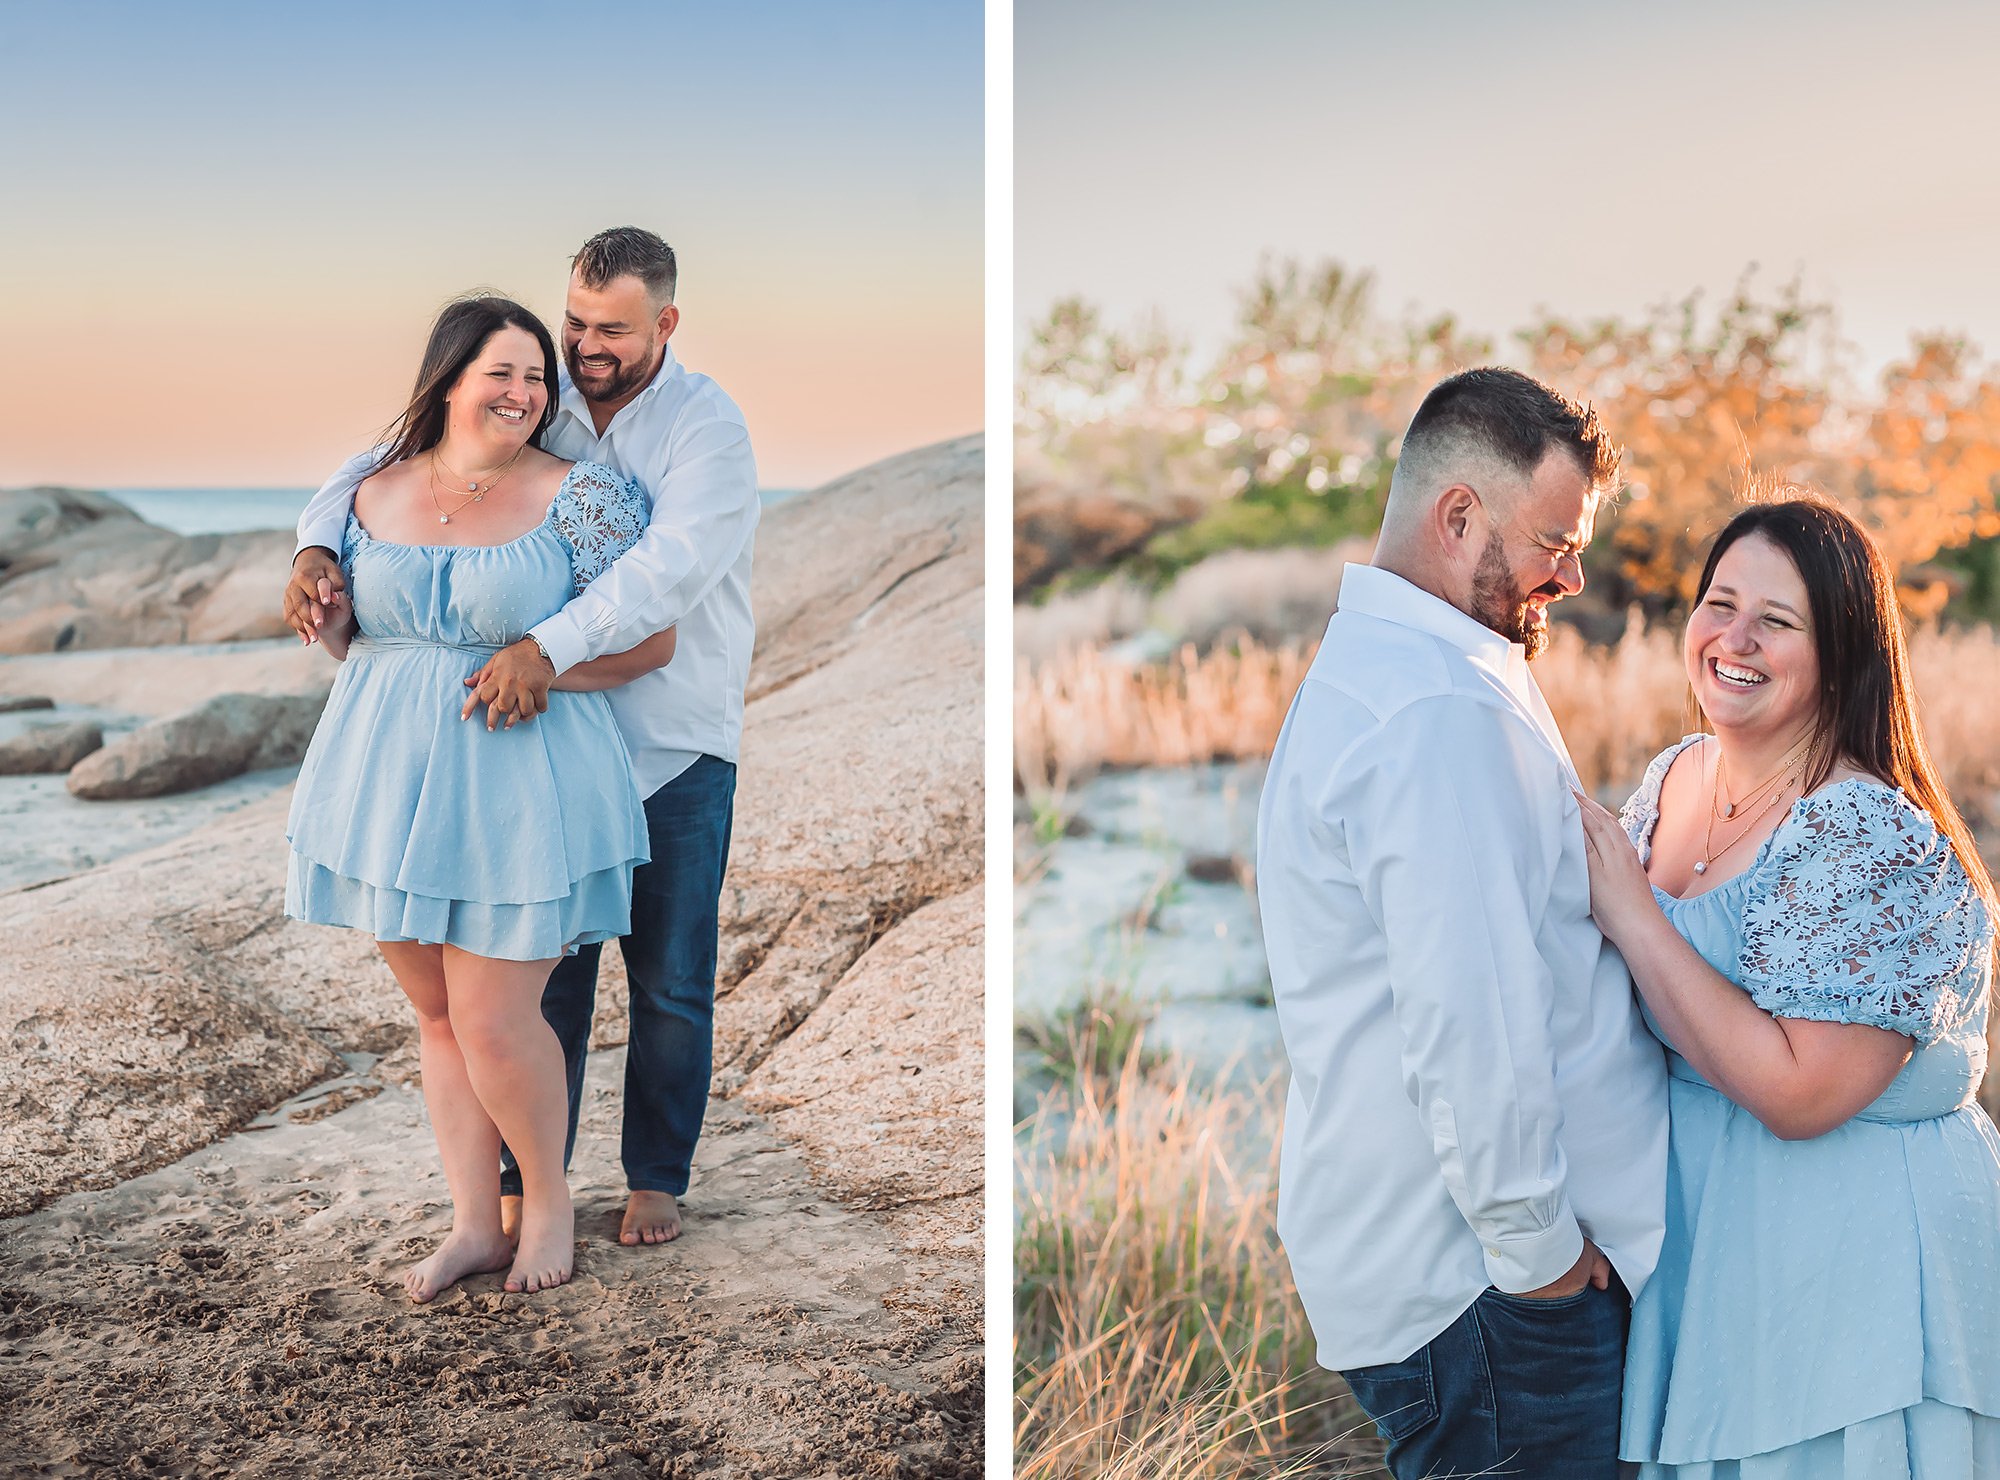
{"points": [[1618, 706], [1157, 1332]]}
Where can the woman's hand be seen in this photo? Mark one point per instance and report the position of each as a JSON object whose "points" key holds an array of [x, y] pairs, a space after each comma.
{"points": [[340, 626], [1619, 890]]}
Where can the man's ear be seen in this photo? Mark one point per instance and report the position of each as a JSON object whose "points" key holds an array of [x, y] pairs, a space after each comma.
{"points": [[1458, 513], [669, 320]]}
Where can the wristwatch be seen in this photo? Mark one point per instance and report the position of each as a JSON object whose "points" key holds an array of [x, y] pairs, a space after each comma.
{"points": [[543, 651]]}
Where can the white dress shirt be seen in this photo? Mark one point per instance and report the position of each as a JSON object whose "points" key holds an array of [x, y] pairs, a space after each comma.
{"points": [[1473, 1089], [684, 442]]}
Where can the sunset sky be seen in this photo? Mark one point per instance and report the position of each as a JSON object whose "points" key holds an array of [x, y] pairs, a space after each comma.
{"points": [[226, 227], [1490, 160]]}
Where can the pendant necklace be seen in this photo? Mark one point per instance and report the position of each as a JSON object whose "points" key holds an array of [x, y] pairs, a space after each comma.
{"points": [[1709, 852], [1720, 790], [475, 493]]}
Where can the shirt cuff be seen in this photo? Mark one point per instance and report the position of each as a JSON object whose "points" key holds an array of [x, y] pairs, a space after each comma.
{"points": [[1522, 1263], [563, 642]]}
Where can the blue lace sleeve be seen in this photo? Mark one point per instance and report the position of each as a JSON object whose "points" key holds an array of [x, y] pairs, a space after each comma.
{"points": [[1862, 914], [1642, 809], [599, 514]]}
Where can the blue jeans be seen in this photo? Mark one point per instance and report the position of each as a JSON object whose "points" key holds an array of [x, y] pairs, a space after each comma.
{"points": [[1528, 1388], [670, 971]]}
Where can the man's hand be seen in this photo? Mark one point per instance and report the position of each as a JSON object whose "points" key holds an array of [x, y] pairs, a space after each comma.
{"points": [[309, 594], [1591, 1268], [515, 683]]}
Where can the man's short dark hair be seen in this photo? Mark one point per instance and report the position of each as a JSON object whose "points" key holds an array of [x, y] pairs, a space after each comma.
{"points": [[1510, 417], [628, 251]]}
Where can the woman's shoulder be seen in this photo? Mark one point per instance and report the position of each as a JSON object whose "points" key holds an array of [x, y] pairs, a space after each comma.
{"points": [[1858, 837], [1662, 775], [594, 479], [1857, 812]]}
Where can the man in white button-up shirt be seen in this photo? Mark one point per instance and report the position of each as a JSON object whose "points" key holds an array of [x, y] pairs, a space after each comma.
{"points": [[1473, 1173], [627, 403]]}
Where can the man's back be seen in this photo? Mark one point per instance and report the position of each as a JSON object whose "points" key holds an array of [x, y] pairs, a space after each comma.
{"points": [[1473, 1089]]}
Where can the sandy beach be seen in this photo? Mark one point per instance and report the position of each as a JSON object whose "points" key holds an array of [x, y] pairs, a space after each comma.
{"points": [[239, 1313]]}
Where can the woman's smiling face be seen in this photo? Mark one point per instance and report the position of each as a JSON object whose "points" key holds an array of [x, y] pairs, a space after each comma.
{"points": [[501, 393], [1749, 646]]}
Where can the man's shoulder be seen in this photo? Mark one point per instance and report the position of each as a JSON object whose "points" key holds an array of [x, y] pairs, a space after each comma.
{"points": [[693, 399], [1385, 667], [1378, 690]]}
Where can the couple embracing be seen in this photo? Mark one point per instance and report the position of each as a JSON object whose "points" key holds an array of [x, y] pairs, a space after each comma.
{"points": [[538, 588], [1743, 1224]]}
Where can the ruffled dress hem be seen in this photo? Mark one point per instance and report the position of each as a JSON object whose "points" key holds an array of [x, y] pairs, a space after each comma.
{"points": [[598, 908], [1928, 1440]]}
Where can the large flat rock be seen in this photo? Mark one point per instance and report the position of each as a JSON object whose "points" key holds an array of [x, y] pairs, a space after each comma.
{"points": [[121, 582], [155, 681]]}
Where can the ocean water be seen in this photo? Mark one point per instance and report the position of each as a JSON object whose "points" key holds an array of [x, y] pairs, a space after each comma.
{"points": [[226, 510]]}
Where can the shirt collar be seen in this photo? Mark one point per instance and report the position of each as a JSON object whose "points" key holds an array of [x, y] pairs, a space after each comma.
{"points": [[572, 403], [1374, 592]]}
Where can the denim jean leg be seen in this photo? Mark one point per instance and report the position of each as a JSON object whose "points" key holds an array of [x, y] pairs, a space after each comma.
{"points": [[569, 1001], [1558, 1377], [670, 959], [1433, 1409]]}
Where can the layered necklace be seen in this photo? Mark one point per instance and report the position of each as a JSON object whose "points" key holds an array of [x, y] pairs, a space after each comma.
{"points": [[474, 492], [1720, 809]]}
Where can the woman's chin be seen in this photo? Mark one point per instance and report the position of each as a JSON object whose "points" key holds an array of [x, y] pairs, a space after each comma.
{"points": [[1727, 709]]}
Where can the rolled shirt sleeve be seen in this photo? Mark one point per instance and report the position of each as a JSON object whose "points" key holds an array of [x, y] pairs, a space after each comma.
{"points": [[324, 522], [704, 510], [1453, 823]]}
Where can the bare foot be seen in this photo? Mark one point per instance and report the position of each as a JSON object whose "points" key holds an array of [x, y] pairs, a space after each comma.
{"points": [[459, 1255], [510, 1216], [547, 1251], [652, 1218]]}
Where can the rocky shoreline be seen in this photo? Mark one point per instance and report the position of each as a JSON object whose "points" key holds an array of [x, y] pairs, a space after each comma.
{"points": [[158, 1002]]}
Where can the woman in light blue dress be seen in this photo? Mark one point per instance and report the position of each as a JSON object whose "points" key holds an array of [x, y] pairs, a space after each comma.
{"points": [[1810, 928], [476, 852]]}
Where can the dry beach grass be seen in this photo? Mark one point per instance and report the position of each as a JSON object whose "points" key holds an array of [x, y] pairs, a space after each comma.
{"points": [[1618, 704], [1156, 1329]]}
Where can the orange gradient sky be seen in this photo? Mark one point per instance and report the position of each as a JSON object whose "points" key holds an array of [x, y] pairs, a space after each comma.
{"points": [[225, 243]]}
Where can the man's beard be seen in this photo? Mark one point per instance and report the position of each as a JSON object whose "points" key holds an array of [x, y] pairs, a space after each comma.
{"points": [[1498, 603], [628, 377]]}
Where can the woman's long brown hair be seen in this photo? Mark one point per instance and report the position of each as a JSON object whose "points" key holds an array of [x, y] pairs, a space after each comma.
{"points": [[1867, 701]]}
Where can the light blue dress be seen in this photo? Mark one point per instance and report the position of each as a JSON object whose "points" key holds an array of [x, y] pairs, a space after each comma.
{"points": [[414, 825], [1830, 1309]]}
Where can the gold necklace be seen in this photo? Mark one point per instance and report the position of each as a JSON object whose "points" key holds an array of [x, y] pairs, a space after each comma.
{"points": [[1751, 795], [1709, 852], [444, 516], [471, 487]]}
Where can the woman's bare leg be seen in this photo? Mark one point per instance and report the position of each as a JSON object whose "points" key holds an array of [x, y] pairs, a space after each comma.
{"points": [[468, 1143], [515, 1064]]}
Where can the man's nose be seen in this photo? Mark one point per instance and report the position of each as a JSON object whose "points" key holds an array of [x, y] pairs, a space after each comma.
{"points": [[1569, 573]]}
